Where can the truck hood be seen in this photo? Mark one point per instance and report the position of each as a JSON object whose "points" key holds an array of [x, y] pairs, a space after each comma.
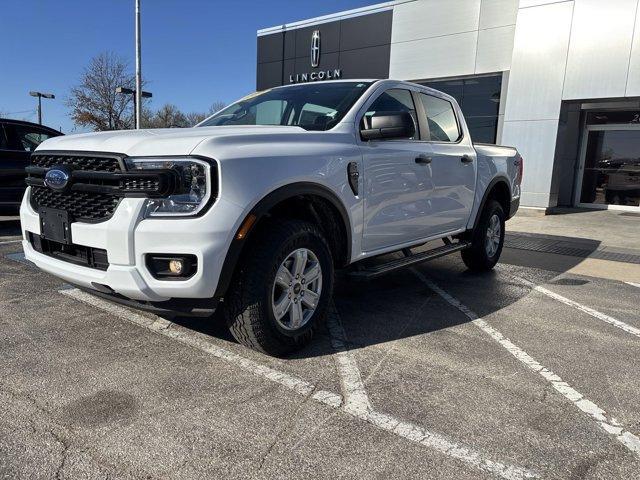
{"points": [[163, 141]]}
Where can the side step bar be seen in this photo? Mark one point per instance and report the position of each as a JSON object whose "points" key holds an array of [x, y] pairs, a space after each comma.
{"points": [[410, 259]]}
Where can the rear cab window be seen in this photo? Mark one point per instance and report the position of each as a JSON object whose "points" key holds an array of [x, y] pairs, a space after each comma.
{"points": [[441, 119]]}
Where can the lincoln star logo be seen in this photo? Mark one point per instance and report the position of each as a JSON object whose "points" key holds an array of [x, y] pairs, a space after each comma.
{"points": [[56, 179], [315, 48]]}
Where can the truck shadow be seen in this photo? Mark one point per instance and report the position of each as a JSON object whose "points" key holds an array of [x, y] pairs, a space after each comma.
{"points": [[400, 305]]}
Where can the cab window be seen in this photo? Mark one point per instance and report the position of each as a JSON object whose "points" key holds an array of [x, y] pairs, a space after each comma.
{"points": [[441, 119], [393, 100]]}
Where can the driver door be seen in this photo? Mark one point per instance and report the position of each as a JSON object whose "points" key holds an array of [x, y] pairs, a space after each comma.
{"points": [[397, 180]]}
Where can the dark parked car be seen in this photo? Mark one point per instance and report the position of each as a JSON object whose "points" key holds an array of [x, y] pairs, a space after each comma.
{"points": [[17, 140]]}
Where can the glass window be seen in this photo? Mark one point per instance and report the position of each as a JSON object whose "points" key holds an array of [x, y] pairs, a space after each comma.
{"points": [[4, 141], [619, 116], [393, 100], [443, 126], [27, 138], [612, 168], [479, 100], [312, 106]]}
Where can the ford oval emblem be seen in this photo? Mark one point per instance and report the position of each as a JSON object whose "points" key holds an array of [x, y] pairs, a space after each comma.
{"points": [[56, 179]]}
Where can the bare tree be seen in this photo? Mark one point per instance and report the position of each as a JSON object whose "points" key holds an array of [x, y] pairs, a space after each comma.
{"points": [[169, 116], [94, 102], [194, 118], [216, 107]]}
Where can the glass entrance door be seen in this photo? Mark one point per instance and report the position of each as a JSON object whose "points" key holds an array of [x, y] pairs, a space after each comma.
{"points": [[610, 167]]}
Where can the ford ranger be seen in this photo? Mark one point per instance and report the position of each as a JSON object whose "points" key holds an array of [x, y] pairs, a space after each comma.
{"points": [[253, 210]]}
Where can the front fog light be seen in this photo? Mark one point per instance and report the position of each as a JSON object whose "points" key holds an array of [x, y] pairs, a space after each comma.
{"points": [[193, 188], [171, 267], [176, 266]]}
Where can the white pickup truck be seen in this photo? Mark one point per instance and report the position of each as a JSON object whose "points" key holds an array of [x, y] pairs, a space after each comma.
{"points": [[253, 209]]}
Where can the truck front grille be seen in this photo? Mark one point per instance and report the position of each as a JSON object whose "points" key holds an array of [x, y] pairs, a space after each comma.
{"points": [[78, 162], [82, 206]]}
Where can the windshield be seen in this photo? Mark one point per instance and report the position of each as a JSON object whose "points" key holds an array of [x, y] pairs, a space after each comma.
{"points": [[315, 106]]}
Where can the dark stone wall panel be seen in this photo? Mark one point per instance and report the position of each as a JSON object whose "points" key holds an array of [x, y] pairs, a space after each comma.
{"points": [[360, 47], [366, 31], [270, 48], [269, 75], [370, 62]]}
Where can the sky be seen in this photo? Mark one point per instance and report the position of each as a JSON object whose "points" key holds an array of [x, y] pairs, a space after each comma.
{"points": [[194, 52]]}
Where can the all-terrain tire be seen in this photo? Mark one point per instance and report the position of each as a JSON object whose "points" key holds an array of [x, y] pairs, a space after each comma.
{"points": [[479, 257], [248, 304]]}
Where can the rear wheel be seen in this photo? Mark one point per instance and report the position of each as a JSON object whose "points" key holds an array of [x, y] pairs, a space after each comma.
{"points": [[282, 291], [487, 239]]}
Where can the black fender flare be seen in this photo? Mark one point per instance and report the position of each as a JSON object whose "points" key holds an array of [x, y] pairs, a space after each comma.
{"points": [[261, 209], [485, 197]]}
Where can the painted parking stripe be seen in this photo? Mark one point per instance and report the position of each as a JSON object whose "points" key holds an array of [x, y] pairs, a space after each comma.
{"points": [[6, 242], [406, 430], [356, 400], [608, 424], [583, 308], [357, 403]]}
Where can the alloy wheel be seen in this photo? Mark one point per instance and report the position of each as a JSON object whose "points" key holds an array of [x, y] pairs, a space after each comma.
{"points": [[296, 289]]}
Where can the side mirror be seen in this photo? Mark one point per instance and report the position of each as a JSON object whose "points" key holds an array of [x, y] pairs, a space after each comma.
{"points": [[388, 125]]}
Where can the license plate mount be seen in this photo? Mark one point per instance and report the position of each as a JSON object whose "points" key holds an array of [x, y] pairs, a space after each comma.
{"points": [[55, 225]]}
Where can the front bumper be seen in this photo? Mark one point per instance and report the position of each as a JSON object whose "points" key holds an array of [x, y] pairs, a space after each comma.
{"points": [[127, 238]]}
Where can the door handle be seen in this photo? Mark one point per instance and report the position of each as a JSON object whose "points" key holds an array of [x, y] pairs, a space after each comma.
{"points": [[423, 160], [466, 159]]}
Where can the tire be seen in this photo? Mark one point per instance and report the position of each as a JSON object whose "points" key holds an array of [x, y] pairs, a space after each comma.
{"points": [[258, 289], [480, 257]]}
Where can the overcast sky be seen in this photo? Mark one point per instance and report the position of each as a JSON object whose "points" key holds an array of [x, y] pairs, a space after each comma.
{"points": [[194, 52]]}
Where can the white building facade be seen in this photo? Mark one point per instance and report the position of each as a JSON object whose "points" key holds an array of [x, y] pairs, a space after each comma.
{"points": [[558, 79]]}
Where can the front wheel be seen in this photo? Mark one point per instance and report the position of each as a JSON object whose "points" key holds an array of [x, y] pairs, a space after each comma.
{"points": [[282, 291], [487, 239]]}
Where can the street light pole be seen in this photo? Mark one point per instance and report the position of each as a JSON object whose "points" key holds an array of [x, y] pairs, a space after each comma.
{"points": [[40, 95], [129, 91], [138, 97]]}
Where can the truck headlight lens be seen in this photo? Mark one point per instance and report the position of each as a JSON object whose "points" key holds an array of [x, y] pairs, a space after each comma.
{"points": [[193, 190]]}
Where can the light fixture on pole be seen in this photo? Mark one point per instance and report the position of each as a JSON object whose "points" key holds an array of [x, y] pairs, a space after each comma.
{"points": [[130, 91], [40, 95]]}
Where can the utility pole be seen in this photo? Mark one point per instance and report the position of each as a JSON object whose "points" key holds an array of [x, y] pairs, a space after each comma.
{"points": [[138, 93], [40, 95]]}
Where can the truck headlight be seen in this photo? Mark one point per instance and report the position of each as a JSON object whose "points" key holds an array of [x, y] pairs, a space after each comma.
{"points": [[192, 192]]}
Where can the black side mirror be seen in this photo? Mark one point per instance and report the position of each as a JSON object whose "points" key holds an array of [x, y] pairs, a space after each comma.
{"points": [[388, 125]]}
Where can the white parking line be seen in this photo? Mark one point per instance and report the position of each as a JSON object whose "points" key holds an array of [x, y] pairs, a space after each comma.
{"points": [[10, 241], [356, 400], [409, 431], [583, 308], [608, 424], [169, 329]]}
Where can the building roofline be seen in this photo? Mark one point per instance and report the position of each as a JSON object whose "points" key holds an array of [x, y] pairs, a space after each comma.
{"points": [[356, 12]]}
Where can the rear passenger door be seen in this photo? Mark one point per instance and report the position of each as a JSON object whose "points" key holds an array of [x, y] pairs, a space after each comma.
{"points": [[453, 163]]}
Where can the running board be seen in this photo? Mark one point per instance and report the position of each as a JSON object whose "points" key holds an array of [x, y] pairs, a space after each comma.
{"points": [[370, 272]]}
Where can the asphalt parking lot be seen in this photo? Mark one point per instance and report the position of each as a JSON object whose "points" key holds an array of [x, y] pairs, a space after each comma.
{"points": [[530, 371]]}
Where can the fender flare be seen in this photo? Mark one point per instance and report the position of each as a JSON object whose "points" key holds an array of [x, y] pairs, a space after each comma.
{"points": [[262, 208], [485, 197]]}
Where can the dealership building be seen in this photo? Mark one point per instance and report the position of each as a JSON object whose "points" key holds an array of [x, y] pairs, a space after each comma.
{"points": [[558, 79]]}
